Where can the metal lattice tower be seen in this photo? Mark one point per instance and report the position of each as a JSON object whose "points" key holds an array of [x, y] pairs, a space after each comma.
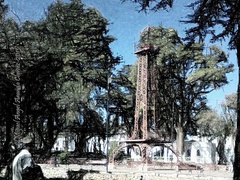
{"points": [[145, 107], [146, 129]]}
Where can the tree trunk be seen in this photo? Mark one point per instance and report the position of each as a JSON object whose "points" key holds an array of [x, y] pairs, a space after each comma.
{"points": [[220, 151], [66, 142], [236, 166], [180, 140], [80, 146], [6, 154], [50, 130]]}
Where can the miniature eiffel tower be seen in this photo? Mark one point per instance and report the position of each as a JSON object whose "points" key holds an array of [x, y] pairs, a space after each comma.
{"points": [[145, 132]]}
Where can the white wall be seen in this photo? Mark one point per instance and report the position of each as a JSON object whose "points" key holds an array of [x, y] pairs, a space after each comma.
{"points": [[60, 144], [206, 153]]}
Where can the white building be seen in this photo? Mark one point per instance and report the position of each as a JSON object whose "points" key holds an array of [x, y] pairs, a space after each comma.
{"points": [[61, 142], [196, 150]]}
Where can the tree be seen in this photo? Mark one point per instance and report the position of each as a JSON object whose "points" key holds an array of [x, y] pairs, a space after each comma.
{"points": [[64, 69], [209, 124], [221, 126], [229, 111], [152, 4], [184, 76], [122, 94], [229, 116], [8, 78], [213, 126], [87, 64], [220, 20], [208, 16]]}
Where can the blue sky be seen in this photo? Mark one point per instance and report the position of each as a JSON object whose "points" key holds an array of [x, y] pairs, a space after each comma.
{"points": [[126, 23]]}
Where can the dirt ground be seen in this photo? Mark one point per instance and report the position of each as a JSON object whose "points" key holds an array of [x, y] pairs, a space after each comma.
{"points": [[50, 171]]}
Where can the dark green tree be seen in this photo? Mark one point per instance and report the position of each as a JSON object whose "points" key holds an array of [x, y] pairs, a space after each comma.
{"points": [[218, 19], [57, 67], [185, 75], [229, 116], [221, 126], [9, 83], [88, 62], [122, 102], [213, 126]]}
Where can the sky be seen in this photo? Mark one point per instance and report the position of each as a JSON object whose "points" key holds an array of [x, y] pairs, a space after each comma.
{"points": [[126, 24]]}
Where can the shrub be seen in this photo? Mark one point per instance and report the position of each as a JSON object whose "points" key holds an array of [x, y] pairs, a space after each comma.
{"points": [[64, 157]]}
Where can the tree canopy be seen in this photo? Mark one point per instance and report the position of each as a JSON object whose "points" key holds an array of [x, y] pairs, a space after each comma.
{"points": [[52, 70], [185, 75], [217, 20], [54, 73]]}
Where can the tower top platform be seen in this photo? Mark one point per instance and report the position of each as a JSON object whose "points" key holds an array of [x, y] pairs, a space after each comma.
{"points": [[145, 49], [148, 141]]}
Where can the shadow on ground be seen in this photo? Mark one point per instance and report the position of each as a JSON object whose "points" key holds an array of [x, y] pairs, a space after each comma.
{"points": [[75, 175], [37, 174]]}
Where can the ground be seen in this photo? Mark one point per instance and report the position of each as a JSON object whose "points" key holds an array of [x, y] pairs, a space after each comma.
{"points": [[132, 173]]}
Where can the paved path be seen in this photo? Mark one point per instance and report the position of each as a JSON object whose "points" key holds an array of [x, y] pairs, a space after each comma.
{"points": [[61, 172]]}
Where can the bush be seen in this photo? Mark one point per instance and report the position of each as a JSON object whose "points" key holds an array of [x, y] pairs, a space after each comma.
{"points": [[64, 157], [113, 146]]}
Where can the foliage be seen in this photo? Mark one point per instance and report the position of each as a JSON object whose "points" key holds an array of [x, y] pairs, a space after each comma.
{"points": [[152, 4], [219, 127], [184, 76], [112, 146], [229, 116], [220, 20], [210, 124], [62, 64], [64, 157], [86, 66], [229, 111], [121, 102], [213, 126]]}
